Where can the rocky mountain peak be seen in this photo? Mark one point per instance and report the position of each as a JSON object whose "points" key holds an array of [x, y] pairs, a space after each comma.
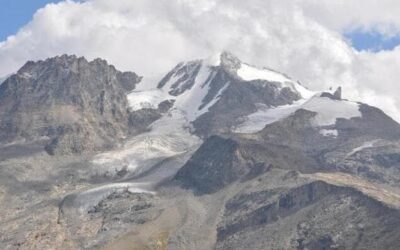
{"points": [[77, 104], [334, 95], [230, 62], [338, 93]]}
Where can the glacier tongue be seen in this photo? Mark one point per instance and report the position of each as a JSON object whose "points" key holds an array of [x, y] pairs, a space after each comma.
{"points": [[168, 137]]}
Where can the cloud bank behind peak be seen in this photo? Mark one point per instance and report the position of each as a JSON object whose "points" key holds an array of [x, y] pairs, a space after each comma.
{"points": [[301, 38]]}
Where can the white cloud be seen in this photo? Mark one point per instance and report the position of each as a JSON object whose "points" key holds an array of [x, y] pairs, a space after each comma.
{"points": [[381, 15], [301, 38]]}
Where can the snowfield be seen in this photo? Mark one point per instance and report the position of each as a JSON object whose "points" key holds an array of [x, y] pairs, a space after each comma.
{"points": [[168, 137], [328, 111], [250, 73], [146, 99]]}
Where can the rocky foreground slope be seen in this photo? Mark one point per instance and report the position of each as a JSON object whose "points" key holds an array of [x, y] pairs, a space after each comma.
{"points": [[218, 154]]}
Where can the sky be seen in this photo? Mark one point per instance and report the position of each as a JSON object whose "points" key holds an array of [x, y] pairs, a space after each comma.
{"points": [[14, 14], [321, 43], [372, 40]]}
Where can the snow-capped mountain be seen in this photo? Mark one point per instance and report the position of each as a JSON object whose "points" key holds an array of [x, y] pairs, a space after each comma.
{"points": [[197, 85], [220, 154], [224, 94]]}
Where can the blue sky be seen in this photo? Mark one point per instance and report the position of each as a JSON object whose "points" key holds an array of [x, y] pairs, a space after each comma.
{"points": [[372, 40], [14, 14]]}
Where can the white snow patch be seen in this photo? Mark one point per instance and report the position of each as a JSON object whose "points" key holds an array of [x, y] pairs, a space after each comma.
{"points": [[368, 144], [266, 115], [303, 91], [146, 99], [329, 132], [327, 110], [249, 73]]}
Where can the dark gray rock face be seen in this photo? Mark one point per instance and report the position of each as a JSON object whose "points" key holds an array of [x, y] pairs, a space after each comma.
{"points": [[294, 143], [337, 95], [79, 105], [216, 164], [374, 123], [186, 75], [220, 162], [140, 120], [315, 215]]}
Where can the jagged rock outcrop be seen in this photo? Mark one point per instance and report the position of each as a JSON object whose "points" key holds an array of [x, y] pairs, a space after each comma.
{"points": [[75, 104], [216, 164], [337, 95], [139, 120]]}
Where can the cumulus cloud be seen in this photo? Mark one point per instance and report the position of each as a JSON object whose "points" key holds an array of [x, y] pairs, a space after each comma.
{"points": [[301, 38]]}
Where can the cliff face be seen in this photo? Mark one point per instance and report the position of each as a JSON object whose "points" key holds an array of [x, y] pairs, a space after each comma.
{"points": [[77, 105]]}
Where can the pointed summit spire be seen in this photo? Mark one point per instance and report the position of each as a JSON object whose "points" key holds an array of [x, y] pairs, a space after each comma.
{"points": [[229, 62], [338, 93]]}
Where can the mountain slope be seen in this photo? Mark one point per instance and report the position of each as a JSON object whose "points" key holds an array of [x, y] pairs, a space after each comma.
{"points": [[218, 155]]}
